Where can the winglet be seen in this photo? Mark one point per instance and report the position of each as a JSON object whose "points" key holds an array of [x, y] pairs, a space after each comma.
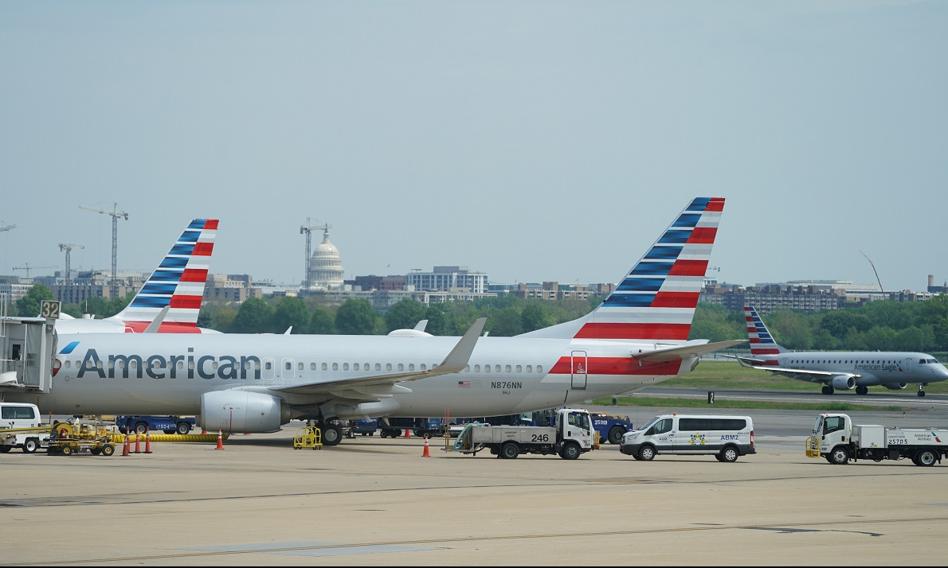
{"points": [[459, 356], [156, 323], [421, 325]]}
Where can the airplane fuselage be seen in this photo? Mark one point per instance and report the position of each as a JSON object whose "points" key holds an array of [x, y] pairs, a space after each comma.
{"points": [[891, 368], [168, 373]]}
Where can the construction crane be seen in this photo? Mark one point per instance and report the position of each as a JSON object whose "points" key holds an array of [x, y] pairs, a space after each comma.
{"points": [[67, 248], [307, 229], [27, 267], [115, 214]]}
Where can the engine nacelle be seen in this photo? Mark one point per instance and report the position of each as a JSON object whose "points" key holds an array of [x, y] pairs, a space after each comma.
{"points": [[847, 383], [895, 387], [242, 411]]}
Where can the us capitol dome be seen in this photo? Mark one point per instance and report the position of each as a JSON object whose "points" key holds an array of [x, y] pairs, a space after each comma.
{"points": [[325, 266]]}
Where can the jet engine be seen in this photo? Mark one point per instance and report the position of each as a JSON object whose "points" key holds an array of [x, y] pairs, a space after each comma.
{"points": [[895, 387], [242, 411], [847, 383]]}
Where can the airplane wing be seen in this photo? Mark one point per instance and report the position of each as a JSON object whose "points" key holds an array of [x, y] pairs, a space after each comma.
{"points": [[806, 374], [363, 387], [690, 349]]}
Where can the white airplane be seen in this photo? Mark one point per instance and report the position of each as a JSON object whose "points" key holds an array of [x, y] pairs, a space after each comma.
{"points": [[858, 370], [256, 383], [170, 301]]}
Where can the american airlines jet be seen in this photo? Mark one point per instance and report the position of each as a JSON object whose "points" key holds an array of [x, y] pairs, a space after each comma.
{"points": [[840, 369], [256, 383], [177, 284]]}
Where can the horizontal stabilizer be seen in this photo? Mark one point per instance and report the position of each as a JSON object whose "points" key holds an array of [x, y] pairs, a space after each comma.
{"points": [[688, 350]]}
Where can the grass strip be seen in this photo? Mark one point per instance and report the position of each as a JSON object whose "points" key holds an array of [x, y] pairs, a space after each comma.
{"points": [[731, 403]]}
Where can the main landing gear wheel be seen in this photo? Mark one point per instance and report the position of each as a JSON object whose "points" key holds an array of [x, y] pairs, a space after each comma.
{"points": [[332, 435], [862, 390], [828, 389]]}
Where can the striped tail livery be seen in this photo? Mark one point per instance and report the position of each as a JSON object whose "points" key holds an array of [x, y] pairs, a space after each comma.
{"points": [[762, 343], [656, 300], [177, 283]]}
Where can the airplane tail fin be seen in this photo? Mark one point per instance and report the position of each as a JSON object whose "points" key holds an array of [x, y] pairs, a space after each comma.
{"points": [[656, 300], [177, 283], [761, 341]]}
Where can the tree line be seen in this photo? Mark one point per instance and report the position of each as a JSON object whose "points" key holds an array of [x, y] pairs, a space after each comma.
{"points": [[883, 325], [506, 316]]}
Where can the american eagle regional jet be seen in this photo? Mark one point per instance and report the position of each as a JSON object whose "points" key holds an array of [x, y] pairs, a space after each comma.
{"points": [[834, 370], [256, 383]]}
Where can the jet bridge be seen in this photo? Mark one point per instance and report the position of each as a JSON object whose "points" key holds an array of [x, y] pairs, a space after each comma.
{"points": [[27, 346]]}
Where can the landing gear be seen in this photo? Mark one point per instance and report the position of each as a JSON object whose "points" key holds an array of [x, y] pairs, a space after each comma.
{"points": [[921, 389], [862, 390], [828, 389]]}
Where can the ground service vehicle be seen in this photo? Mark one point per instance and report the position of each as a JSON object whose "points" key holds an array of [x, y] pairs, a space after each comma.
{"points": [[363, 426], [20, 427], [611, 428], [142, 424], [725, 437], [571, 435], [838, 440], [71, 439]]}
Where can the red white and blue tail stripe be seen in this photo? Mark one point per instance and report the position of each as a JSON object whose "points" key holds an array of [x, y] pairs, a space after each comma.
{"points": [[178, 283], [762, 343], [656, 300]]}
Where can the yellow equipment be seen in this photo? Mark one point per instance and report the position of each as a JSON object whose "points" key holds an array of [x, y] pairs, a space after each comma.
{"points": [[67, 439], [310, 437], [813, 447]]}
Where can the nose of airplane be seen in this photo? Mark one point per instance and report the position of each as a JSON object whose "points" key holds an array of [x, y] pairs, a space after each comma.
{"points": [[942, 373]]}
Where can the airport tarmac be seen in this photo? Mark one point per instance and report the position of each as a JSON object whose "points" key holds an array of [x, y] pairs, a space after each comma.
{"points": [[373, 501]]}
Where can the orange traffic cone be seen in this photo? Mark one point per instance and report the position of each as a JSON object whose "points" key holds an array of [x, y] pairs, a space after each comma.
{"points": [[147, 442], [426, 453], [220, 440], [408, 432], [138, 443], [125, 446]]}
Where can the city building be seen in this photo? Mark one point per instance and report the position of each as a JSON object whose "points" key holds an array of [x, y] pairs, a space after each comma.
{"points": [[236, 288], [553, 291], [448, 279]]}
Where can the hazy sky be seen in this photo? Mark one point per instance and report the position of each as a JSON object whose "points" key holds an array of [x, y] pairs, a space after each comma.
{"points": [[528, 139]]}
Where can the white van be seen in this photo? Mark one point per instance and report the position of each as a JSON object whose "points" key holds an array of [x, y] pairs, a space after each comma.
{"points": [[14, 415], [726, 437]]}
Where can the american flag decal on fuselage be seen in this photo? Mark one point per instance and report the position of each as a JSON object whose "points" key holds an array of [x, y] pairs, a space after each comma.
{"points": [[178, 283], [656, 300]]}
